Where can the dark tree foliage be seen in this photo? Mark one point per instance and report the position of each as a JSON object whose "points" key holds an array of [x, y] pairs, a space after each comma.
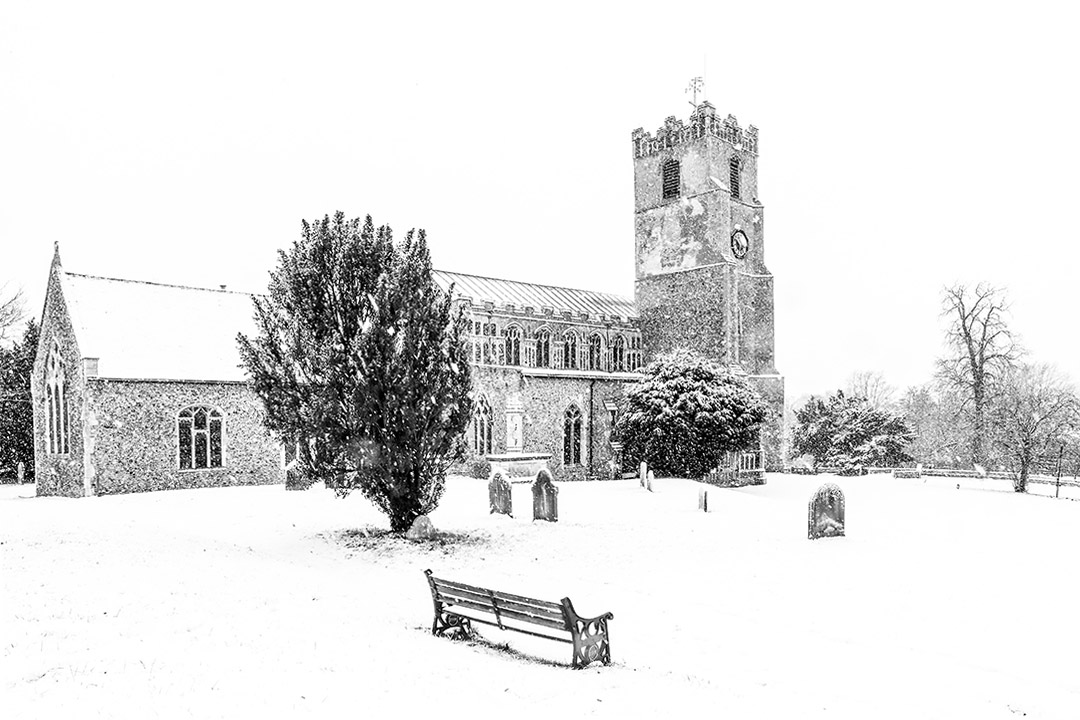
{"points": [[16, 408], [686, 413], [846, 432], [361, 365]]}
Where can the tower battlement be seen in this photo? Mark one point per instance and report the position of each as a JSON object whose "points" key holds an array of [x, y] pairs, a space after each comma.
{"points": [[703, 121]]}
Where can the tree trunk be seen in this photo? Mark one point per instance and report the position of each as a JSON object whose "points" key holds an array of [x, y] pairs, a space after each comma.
{"points": [[979, 426]]}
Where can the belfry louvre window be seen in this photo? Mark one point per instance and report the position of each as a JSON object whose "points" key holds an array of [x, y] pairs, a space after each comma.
{"points": [[56, 404], [735, 173], [572, 436], [201, 438], [670, 175]]}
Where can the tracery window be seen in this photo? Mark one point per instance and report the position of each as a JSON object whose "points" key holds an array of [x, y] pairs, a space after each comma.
{"points": [[735, 176], [513, 346], [543, 348], [570, 350], [670, 173], [618, 354], [200, 438], [595, 357], [572, 436], [56, 404], [635, 353], [481, 429]]}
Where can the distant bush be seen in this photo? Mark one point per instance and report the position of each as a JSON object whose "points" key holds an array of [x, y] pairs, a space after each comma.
{"points": [[480, 469]]}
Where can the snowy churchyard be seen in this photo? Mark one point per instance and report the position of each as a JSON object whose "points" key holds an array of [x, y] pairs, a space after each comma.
{"points": [[940, 602]]}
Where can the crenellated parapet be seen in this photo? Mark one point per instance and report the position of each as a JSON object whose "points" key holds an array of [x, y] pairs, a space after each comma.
{"points": [[703, 121]]}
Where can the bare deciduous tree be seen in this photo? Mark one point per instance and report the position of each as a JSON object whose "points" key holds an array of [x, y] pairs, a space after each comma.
{"points": [[872, 387], [981, 351], [1034, 415], [11, 311]]}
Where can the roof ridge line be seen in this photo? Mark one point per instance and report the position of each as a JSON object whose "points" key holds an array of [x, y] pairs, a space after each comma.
{"points": [[158, 284], [534, 284]]}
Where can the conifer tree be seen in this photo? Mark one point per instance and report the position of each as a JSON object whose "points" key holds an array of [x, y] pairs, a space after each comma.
{"points": [[16, 408], [361, 365]]}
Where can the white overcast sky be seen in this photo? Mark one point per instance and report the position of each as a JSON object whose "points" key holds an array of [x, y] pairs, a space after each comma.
{"points": [[901, 149]]}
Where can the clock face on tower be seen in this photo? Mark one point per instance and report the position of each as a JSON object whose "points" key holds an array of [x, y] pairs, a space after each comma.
{"points": [[740, 244]]}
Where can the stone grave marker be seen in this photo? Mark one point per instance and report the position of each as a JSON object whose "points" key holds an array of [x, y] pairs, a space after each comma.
{"points": [[648, 481], [22, 472], [421, 529], [642, 471], [826, 513], [545, 497], [499, 497], [703, 500]]}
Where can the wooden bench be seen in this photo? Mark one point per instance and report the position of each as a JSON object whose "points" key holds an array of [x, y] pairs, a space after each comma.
{"points": [[457, 605]]}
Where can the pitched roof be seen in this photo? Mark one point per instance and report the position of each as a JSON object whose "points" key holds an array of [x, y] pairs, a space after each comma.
{"points": [[522, 294], [144, 330]]}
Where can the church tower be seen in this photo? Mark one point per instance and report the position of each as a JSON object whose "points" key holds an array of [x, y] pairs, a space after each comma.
{"points": [[701, 280]]}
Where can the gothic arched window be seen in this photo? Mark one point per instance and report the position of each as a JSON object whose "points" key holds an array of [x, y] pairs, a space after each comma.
{"points": [[570, 350], [670, 173], [481, 430], [572, 436], [56, 403], [618, 354], [543, 348], [200, 438], [595, 358], [513, 346], [735, 176]]}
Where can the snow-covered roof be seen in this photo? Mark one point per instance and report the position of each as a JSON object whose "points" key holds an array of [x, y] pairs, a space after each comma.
{"points": [[151, 331], [521, 294], [144, 330]]}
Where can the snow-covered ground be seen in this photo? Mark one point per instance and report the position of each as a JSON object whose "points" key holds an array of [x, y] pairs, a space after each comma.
{"points": [[257, 602]]}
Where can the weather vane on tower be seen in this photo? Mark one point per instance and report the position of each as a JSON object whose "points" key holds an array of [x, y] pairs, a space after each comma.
{"points": [[697, 85]]}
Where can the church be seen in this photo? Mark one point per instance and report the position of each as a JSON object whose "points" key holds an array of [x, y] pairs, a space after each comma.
{"points": [[137, 385]]}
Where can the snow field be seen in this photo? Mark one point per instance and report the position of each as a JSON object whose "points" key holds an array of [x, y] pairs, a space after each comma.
{"points": [[238, 602]]}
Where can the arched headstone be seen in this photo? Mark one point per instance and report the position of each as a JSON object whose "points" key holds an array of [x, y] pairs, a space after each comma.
{"points": [[648, 481], [643, 470], [22, 472], [826, 512], [545, 497], [499, 497]]}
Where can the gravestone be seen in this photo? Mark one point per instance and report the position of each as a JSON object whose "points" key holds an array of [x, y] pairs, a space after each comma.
{"points": [[703, 500], [545, 497], [826, 514], [642, 472], [648, 481], [22, 472], [421, 529], [499, 496]]}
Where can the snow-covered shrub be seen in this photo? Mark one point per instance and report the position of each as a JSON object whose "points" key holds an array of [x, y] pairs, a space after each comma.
{"points": [[849, 433], [685, 414]]}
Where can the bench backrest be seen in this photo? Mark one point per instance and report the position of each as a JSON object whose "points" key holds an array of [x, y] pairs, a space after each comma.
{"points": [[503, 605]]}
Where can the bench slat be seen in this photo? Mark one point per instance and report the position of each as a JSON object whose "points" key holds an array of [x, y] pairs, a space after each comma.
{"points": [[511, 614], [501, 595], [502, 602], [517, 629]]}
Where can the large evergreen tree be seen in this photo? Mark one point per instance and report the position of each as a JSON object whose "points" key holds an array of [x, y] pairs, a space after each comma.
{"points": [[842, 431], [686, 413], [16, 408], [361, 365]]}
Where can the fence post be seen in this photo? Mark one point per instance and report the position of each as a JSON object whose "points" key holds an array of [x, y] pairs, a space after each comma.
{"points": [[1057, 483]]}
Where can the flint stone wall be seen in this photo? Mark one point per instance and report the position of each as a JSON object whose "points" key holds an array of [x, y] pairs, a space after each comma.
{"points": [[133, 436]]}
